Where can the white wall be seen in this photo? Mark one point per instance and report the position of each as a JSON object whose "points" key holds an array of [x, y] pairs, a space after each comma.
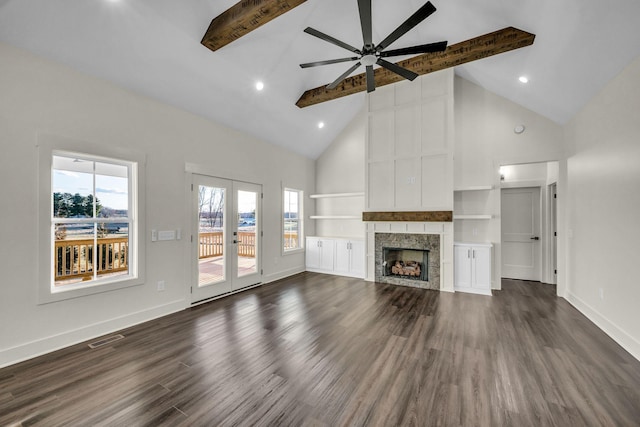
{"points": [[340, 169], [603, 209], [410, 145], [485, 140], [38, 96]]}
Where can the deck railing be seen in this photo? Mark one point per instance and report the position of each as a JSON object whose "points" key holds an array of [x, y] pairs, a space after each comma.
{"points": [[211, 244], [74, 258]]}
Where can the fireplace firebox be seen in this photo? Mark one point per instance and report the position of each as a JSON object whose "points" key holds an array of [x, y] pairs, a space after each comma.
{"points": [[404, 263]]}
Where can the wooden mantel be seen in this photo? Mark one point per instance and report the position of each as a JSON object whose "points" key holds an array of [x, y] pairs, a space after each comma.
{"points": [[416, 216]]}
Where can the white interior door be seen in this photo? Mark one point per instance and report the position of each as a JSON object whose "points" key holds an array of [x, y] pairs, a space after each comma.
{"points": [[226, 236], [520, 213]]}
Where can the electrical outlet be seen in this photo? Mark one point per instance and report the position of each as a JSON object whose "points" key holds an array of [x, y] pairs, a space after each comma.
{"points": [[160, 285]]}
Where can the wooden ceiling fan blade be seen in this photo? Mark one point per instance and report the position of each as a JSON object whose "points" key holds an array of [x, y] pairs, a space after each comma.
{"points": [[420, 15], [413, 50], [497, 42], [332, 40], [364, 7], [409, 75], [330, 61], [371, 82], [343, 76]]}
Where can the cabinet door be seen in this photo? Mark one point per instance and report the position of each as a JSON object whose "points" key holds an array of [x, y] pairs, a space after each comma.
{"points": [[357, 258], [481, 268], [313, 252], [327, 250], [462, 266], [343, 256]]}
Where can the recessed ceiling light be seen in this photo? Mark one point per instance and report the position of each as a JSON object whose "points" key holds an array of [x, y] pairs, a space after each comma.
{"points": [[524, 79], [259, 85], [320, 125], [519, 129]]}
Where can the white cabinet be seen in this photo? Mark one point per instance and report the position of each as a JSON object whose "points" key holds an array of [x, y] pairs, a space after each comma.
{"points": [[320, 253], [345, 257], [349, 260], [472, 268]]}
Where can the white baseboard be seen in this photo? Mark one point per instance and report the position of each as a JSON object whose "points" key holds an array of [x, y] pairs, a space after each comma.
{"points": [[618, 334], [283, 274], [46, 345]]}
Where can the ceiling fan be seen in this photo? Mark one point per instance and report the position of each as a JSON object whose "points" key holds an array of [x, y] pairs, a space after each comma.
{"points": [[371, 53]]}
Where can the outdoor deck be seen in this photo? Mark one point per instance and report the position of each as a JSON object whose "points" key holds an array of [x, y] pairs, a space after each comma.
{"points": [[212, 269]]}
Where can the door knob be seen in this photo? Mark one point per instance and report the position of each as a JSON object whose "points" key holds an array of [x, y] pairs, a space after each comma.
{"points": [[535, 238]]}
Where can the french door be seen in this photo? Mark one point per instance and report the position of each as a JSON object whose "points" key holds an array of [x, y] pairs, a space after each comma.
{"points": [[226, 249]]}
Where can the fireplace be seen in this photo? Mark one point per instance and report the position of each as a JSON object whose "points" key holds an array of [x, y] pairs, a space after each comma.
{"points": [[405, 263], [408, 259]]}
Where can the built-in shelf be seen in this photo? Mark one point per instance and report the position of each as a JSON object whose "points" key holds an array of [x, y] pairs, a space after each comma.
{"points": [[335, 217], [475, 188], [334, 195], [472, 217]]}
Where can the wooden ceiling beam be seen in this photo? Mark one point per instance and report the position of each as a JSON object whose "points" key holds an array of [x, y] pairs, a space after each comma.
{"points": [[480, 47], [242, 18]]}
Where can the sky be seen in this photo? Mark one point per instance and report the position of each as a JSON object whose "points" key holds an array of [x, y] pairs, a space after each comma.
{"points": [[110, 191]]}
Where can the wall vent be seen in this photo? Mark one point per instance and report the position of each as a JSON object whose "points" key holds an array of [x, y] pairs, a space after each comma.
{"points": [[106, 341]]}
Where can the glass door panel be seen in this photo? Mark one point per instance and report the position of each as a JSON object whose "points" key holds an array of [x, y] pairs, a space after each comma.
{"points": [[210, 237], [247, 233]]}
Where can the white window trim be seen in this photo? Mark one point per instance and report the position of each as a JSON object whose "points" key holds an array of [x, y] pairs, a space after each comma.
{"points": [[50, 145], [299, 249]]}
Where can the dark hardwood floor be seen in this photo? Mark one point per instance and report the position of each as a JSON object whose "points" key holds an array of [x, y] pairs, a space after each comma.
{"points": [[317, 350]]}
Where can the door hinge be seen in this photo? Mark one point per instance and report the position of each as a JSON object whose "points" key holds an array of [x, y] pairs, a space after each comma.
{"points": [[555, 196], [262, 195], [192, 289], [192, 238], [261, 272], [555, 234], [555, 271], [191, 187], [261, 233]]}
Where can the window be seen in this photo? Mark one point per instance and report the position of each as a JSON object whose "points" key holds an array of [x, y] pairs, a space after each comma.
{"points": [[92, 221], [90, 218], [293, 220]]}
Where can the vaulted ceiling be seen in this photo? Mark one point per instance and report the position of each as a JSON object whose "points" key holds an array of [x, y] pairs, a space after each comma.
{"points": [[152, 47]]}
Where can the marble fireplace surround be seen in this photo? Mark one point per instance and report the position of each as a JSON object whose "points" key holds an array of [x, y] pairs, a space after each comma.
{"points": [[430, 242]]}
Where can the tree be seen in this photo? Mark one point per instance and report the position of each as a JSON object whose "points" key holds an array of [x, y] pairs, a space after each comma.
{"points": [[66, 205]]}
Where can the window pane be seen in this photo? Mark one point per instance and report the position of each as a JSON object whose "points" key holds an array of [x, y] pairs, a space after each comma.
{"points": [[292, 220], [73, 253], [74, 256], [112, 257], [72, 196], [112, 196]]}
